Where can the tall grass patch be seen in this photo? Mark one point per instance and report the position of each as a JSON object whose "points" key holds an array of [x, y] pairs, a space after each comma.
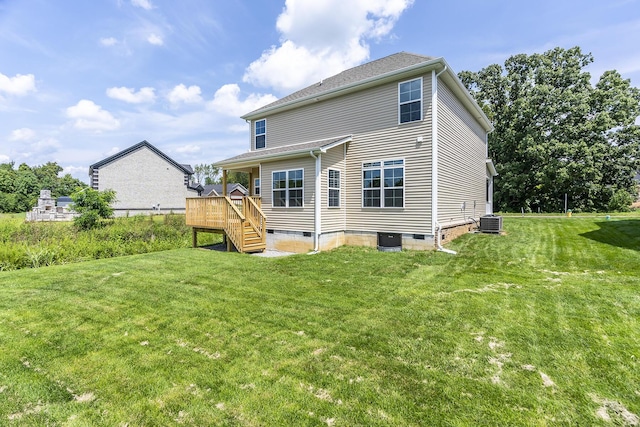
{"points": [[37, 244]]}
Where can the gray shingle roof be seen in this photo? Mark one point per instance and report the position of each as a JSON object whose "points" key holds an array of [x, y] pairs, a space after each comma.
{"points": [[353, 75], [185, 168], [288, 150], [218, 188]]}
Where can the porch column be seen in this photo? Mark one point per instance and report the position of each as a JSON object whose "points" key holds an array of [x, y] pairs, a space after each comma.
{"points": [[224, 182], [250, 184]]}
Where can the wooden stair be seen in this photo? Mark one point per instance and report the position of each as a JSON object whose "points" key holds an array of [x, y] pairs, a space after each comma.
{"points": [[252, 242], [244, 223]]}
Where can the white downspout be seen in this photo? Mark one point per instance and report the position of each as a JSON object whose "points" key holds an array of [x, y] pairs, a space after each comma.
{"points": [[435, 227], [317, 210]]}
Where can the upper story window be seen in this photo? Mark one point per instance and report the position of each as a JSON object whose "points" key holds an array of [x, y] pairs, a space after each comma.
{"points": [[410, 100], [288, 188], [383, 184], [334, 188], [261, 134]]}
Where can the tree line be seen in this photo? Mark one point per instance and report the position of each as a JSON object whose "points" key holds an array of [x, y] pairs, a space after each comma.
{"points": [[207, 174], [20, 187], [556, 133]]}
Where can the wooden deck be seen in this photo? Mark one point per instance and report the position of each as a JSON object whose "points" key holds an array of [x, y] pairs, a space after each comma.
{"points": [[242, 220]]}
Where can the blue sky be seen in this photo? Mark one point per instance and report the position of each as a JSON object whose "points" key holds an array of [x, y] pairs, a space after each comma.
{"points": [[81, 80]]}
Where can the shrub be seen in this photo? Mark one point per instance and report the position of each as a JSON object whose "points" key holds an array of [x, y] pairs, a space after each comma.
{"points": [[620, 201]]}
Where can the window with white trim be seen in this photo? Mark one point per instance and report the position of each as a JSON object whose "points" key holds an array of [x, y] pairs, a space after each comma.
{"points": [[288, 188], [410, 101], [260, 134], [256, 186], [334, 188], [383, 184]]}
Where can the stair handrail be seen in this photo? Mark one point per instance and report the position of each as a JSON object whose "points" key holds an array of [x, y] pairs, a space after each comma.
{"points": [[235, 233]]}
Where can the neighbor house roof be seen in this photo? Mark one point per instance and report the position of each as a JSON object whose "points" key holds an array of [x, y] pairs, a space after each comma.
{"points": [[185, 168], [250, 158], [389, 68], [217, 189]]}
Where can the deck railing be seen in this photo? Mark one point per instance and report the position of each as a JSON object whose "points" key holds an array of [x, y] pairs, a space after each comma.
{"points": [[242, 221]]}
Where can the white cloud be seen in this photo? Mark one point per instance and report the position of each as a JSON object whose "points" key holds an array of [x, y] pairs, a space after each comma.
{"points": [[188, 95], [22, 134], [155, 39], [4, 159], [145, 94], [18, 85], [108, 41], [145, 4], [321, 38], [190, 148], [90, 116], [227, 101], [74, 170]]}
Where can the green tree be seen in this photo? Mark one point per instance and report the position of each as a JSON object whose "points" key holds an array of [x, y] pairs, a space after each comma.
{"points": [[238, 177], [556, 134], [26, 188], [206, 174], [93, 207]]}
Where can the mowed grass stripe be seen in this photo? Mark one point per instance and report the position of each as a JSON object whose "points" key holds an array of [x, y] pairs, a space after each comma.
{"points": [[535, 327]]}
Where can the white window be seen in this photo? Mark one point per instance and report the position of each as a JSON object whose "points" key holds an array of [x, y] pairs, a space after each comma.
{"points": [[334, 188], [256, 186], [261, 134], [410, 101], [288, 188], [383, 184]]}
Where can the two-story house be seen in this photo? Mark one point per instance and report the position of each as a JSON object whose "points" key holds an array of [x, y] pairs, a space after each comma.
{"points": [[392, 153]]}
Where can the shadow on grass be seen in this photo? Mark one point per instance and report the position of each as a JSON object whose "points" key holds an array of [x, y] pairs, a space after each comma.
{"points": [[624, 234]]}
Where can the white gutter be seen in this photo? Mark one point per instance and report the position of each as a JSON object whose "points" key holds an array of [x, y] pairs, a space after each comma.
{"points": [[436, 228], [438, 245], [434, 149], [317, 209]]}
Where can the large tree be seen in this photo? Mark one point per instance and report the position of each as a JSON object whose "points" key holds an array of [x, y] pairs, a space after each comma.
{"points": [[556, 134], [206, 174], [20, 188]]}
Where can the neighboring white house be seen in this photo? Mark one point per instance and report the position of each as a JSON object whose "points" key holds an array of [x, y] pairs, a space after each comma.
{"points": [[145, 181], [389, 153]]}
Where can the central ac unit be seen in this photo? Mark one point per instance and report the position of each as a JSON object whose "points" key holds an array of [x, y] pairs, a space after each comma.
{"points": [[491, 224]]}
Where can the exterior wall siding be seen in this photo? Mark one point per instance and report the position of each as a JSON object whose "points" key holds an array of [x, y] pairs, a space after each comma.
{"points": [[397, 143], [141, 180], [334, 219], [289, 219], [461, 162], [362, 112]]}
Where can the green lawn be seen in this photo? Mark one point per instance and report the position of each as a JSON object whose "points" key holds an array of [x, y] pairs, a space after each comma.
{"points": [[539, 326]]}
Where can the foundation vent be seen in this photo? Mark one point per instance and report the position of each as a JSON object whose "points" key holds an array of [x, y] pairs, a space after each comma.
{"points": [[389, 242]]}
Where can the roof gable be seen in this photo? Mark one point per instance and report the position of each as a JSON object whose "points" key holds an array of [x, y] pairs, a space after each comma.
{"points": [[143, 144], [394, 67], [353, 75], [361, 73]]}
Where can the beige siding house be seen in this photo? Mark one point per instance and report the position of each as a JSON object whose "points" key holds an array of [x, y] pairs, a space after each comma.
{"points": [[145, 181], [391, 153]]}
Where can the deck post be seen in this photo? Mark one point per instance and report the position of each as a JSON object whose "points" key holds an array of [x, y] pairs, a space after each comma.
{"points": [[194, 237], [224, 182], [229, 244]]}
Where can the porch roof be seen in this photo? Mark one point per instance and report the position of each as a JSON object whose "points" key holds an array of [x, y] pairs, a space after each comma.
{"points": [[255, 157]]}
